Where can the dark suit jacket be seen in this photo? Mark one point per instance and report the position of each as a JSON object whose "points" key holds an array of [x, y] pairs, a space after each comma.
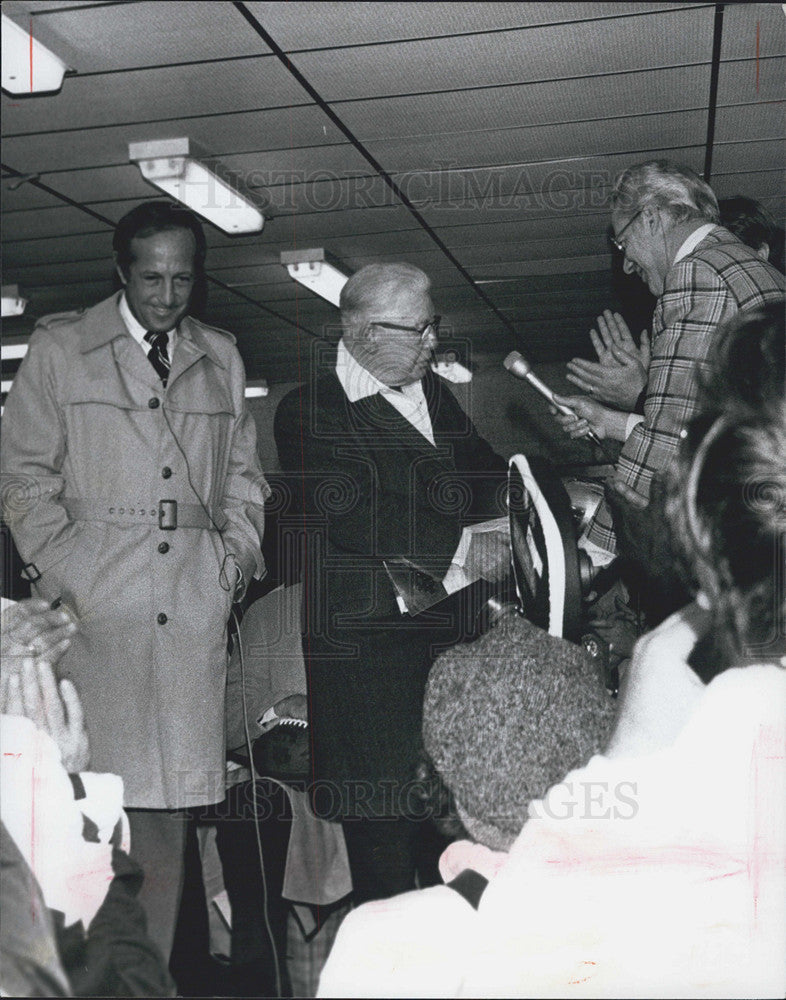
{"points": [[371, 486]]}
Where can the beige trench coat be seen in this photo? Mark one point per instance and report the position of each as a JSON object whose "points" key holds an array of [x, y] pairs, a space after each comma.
{"points": [[88, 419]]}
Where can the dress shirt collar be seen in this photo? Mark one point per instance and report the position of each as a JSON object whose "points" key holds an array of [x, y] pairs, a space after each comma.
{"points": [[136, 329], [356, 381], [693, 240]]}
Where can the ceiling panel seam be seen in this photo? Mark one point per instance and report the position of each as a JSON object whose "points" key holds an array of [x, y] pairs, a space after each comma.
{"points": [[310, 104], [717, 38], [398, 96], [505, 30]]}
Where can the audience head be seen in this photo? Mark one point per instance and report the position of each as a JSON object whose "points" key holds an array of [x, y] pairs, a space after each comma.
{"points": [[728, 495], [654, 206], [159, 251], [508, 716], [388, 321], [750, 222]]}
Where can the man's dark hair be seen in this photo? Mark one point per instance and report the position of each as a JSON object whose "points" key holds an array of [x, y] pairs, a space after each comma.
{"points": [[750, 222], [153, 217]]}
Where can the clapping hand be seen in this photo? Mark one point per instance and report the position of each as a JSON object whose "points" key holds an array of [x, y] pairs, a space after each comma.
{"points": [[620, 373], [33, 629], [34, 637], [33, 692]]}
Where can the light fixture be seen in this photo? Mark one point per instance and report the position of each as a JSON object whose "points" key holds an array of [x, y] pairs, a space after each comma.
{"points": [[13, 303], [256, 387], [12, 352], [184, 171], [28, 66], [312, 269]]}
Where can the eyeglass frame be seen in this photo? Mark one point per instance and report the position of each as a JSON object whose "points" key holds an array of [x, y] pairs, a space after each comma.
{"points": [[615, 238], [432, 324]]}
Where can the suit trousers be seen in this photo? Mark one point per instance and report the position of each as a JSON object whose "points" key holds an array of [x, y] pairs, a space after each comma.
{"points": [[158, 842]]}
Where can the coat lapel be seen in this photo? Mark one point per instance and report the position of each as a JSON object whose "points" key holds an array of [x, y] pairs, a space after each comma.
{"points": [[191, 345], [103, 326]]}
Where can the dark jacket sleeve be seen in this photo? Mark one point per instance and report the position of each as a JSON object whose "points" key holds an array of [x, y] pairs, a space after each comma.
{"points": [[116, 958], [485, 472]]}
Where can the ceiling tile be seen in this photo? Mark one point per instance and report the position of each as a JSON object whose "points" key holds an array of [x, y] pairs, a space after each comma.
{"points": [[571, 50]]}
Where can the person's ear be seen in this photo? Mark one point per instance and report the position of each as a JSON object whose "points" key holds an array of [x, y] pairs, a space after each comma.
{"points": [[652, 219], [119, 270], [763, 251]]}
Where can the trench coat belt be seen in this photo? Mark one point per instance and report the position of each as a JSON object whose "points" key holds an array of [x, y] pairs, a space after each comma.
{"points": [[164, 514]]}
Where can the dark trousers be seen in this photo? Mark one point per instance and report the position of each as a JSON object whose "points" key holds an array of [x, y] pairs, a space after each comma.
{"points": [[158, 840], [255, 889]]}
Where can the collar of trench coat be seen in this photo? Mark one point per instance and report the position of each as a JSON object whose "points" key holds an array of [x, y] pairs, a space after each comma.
{"points": [[103, 323]]}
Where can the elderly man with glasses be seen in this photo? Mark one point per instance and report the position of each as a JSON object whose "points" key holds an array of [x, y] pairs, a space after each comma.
{"points": [[387, 468], [665, 222]]}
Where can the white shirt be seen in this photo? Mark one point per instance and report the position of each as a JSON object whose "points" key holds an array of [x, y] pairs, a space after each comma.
{"points": [[136, 329], [693, 241], [358, 383]]}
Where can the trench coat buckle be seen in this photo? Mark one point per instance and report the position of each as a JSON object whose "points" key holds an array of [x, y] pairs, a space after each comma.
{"points": [[30, 572], [167, 515]]}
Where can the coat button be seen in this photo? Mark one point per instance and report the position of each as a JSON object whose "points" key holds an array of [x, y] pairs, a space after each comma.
{"points": [[153, 403], [163, 547], [166, 472], [161, 618]]}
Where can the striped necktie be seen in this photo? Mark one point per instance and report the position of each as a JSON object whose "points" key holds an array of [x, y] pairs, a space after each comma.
{"points": [[157, 355]]}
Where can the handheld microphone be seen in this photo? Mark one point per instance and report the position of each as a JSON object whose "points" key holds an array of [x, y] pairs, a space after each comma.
{"points": [[518, 365]]}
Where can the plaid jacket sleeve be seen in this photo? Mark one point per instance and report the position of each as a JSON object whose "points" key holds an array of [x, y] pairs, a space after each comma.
{"points": [[694, 303]]}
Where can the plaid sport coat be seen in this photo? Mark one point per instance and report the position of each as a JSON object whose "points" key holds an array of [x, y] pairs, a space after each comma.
{"points": [[719, 278]]}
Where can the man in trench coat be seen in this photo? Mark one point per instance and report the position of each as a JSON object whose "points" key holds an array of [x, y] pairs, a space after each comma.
{"points": [[135, 498]]}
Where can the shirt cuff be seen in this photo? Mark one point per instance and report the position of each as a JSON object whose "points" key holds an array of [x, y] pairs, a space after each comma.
{"points": [[634, 419], [598, 557]]}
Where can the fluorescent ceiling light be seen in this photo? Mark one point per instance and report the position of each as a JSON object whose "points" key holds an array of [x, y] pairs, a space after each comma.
{"points": [[13, 303], [256, 388], [312, 269], [28, 66], [11, 352], [181, 169]]}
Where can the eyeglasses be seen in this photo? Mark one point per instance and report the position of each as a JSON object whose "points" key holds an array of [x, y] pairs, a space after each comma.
{"points": [[421, 331], [615, 239]]}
